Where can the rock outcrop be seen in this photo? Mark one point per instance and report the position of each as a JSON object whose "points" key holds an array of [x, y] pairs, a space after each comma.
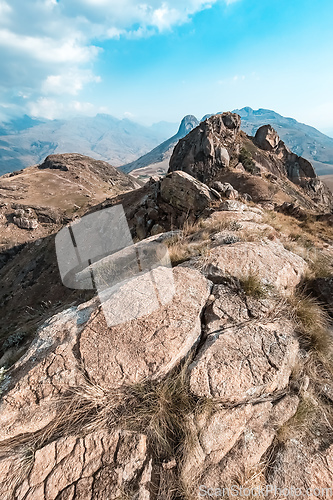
{"points": [[162, 153], [184, 192], [207, 148], [217, 151]]}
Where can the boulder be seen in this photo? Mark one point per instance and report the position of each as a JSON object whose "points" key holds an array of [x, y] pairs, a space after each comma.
{"points": [[267, 138], [25, 223], [184, 192], [244, 365], [232, 206], [78, 341]]}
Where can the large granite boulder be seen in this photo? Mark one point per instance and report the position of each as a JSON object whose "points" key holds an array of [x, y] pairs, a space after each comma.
{"points": [[185, 193]]}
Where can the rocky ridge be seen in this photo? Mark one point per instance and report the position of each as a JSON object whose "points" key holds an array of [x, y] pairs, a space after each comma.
{"points": [[226, 384]]}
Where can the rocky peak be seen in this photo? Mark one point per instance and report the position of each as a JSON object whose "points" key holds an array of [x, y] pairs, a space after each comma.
{"points": [[206, 150], [188, 123]]}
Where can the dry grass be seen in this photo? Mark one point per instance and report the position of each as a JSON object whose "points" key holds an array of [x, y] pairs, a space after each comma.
{"points": [[312, 377], [159, 410], [253, 285], [195, 239], [312, 322]]}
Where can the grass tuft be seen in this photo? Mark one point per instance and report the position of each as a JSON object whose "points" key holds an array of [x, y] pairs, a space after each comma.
{"points": [[313, 322], [253, 286]]}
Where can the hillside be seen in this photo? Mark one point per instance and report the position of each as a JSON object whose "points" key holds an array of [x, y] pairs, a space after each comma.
{"points": [[34, 204], [202, 358], [26, 142], [159, 156]]}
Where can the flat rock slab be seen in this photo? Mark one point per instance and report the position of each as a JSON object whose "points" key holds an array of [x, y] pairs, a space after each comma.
{"points": [[269, 260], [79, 338], [147, 347], [98, 465], [245, 361]]}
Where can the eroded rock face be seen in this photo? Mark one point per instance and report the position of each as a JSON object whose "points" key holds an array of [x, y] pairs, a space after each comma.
{"points": [[267, 138], [247, 357], [79, 340], [207, 149], [308, 469], [243, 358], [229, 443], [147, 347], [98, 465]]}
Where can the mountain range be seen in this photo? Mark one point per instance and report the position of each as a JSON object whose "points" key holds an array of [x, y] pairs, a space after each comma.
{"points": [[26, 141], [302, 139], [198, 357]]}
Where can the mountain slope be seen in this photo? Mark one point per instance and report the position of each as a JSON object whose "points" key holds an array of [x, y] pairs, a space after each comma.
{"points": [[302, 139], [161, 154], [26, 142], [35, 204]]}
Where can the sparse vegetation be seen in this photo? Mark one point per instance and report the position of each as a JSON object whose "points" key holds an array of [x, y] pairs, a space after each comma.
{"points": [[246, 160]]}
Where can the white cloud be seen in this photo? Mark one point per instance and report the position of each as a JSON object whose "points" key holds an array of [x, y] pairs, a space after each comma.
{"points": [[5, 9], [48, 47], [52, 108], [68, 83]]}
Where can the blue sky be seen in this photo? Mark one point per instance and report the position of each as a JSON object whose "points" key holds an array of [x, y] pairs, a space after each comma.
{"points": [[159, 60]]}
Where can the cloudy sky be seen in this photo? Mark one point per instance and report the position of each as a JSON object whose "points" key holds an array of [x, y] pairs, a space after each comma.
{"points": [[159, 60]]}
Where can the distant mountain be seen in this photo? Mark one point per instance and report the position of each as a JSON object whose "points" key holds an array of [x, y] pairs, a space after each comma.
{"points": [[161, 154], [302, 139], [25, 141]]}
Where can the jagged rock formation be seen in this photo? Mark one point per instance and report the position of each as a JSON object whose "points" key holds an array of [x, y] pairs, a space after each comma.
{"points": [[301, 139], [60, 399], [208, 148], [161, 153], [217, 150]]}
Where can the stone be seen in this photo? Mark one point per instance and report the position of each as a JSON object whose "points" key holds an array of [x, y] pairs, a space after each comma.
{"points": [[157, 229], [25, 223], [100, 464], [245, 361], [184, 192], [79, 341], [232, 206], [267, 138]]}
